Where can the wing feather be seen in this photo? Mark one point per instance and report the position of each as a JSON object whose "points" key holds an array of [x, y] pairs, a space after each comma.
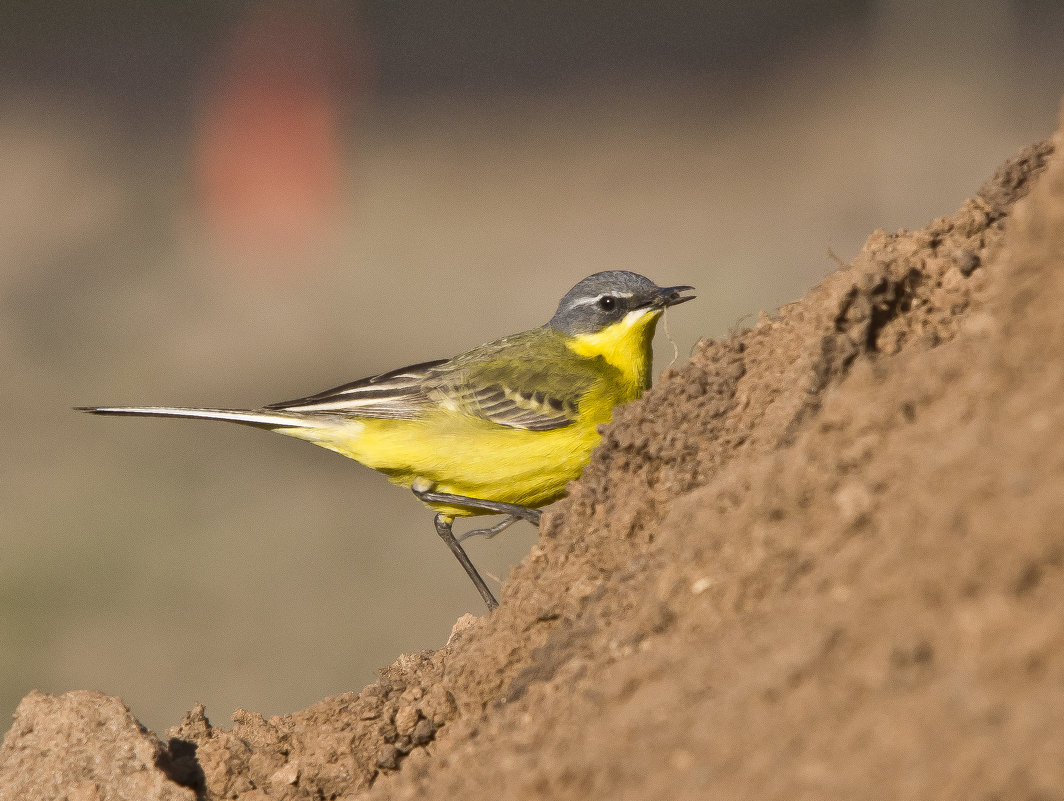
{"points": [[396, 395], [530, 381]]}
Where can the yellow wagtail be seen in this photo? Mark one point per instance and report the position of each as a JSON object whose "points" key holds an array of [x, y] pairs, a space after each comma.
{"points": [[500, 429]]}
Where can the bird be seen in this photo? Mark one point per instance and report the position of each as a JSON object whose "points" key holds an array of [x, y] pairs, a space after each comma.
{"points": [[499, 429]]}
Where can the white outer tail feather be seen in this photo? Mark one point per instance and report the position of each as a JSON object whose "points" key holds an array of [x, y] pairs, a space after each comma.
{"points": [[269, 419]]}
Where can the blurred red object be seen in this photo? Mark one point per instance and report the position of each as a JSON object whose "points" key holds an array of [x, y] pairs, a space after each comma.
{"points": [[270, 149]]}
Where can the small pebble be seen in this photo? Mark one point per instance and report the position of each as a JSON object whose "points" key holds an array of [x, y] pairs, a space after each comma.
{"points": [[423, 732], [388, 757], [701, 585], [966, 261]]}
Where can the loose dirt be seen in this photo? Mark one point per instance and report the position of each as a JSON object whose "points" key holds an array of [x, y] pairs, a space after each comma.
{"points": [[823, 559]]}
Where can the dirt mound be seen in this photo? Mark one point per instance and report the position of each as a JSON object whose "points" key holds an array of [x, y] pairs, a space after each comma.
{"points": [[824, 559]]}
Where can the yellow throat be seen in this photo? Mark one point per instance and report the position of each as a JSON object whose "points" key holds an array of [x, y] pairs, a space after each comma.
{"points": [[625, 345]]}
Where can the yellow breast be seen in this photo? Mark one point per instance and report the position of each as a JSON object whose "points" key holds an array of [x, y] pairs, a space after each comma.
{"points": [[626, 345]]}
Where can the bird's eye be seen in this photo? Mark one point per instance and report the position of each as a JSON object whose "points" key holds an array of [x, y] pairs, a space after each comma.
{"points": [[608, 302]]}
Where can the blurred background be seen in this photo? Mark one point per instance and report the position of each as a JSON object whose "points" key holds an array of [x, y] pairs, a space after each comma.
{"points": [[235, 203]]}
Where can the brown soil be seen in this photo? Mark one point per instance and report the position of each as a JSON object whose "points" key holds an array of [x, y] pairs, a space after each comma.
{"points": [[824, 559]]}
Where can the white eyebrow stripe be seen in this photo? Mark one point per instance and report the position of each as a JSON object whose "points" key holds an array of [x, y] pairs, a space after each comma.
{"points": [[597, 298]]}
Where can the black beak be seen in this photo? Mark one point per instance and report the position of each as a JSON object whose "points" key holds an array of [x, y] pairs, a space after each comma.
{"points": [[671, 296]]}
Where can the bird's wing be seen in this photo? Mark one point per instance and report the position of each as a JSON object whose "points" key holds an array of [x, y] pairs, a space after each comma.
{"points": [[395, 395], [529, 380]]}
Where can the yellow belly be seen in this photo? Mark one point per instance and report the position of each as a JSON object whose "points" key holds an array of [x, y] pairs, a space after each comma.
{"points": [[466, 456]]}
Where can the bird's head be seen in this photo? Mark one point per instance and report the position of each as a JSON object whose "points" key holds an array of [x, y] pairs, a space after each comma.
{"points": [[612, 316], [611, 298]]}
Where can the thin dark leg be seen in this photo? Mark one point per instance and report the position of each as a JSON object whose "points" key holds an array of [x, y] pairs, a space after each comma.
{"points": [[490, 531], [523, 512], [443, 528]]}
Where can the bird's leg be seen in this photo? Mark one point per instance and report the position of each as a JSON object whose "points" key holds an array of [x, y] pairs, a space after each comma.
{"points": [[423, 490], [443, 528], [490, 531], [499, 507]]}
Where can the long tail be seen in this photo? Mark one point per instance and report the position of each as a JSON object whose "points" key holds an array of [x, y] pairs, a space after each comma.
{"points": [[260, 418]]}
